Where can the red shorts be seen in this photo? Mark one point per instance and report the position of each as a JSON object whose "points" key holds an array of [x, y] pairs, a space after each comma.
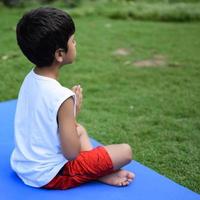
{"points": [[88, 166]]}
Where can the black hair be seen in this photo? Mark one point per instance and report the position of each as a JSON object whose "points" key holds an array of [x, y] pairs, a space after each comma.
{"points": [[42, 31]]}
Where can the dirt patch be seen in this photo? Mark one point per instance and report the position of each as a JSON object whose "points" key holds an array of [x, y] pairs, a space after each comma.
{"points": [[155, 61], [121, 52], [8, 56]]}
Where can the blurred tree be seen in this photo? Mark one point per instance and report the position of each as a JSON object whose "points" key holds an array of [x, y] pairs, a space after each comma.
{"points": [[46, 1], [12, 3], [72, 3]]}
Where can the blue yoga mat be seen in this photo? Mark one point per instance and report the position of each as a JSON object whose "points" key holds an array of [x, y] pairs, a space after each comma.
{"points": [[148, 184]]}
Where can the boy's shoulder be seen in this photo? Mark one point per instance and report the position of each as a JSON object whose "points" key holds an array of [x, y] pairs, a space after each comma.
{"points": [[44, 86]]}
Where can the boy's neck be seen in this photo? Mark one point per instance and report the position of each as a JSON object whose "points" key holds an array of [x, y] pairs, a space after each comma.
{"points": [[51, 72]]}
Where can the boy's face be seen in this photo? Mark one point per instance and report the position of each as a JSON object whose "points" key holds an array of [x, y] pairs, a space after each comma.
{"points": [[71, 53]]}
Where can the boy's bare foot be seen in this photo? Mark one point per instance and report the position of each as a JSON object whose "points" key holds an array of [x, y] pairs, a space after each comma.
{"points": [[118, 178]]}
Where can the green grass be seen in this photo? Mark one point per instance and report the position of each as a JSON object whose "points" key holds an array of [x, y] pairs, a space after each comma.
{"points": [[155, 110]]}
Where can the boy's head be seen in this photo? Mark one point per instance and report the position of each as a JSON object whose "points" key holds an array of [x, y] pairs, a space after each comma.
{"points": [[45, 35]]}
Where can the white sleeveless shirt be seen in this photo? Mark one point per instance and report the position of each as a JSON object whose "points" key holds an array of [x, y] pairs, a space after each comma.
{"points": [[37, 156]]}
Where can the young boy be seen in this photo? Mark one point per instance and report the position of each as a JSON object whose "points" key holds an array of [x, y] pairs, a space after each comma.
{"points": [[52, 150]]}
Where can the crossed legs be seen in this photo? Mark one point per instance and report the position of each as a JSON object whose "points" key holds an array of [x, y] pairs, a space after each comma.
{"points": [[120, 154]]}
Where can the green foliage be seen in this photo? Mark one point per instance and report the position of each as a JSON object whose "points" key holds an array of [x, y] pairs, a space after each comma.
{"points": [[22, 3], [157, 12], [166, 10], [141, 11], [165, 1], [11, 3]]}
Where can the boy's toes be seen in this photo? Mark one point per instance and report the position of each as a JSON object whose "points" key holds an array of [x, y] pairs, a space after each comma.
{"points": [[122, 182], [131, 175], [130, 180], [119, 183], [125, 183]]}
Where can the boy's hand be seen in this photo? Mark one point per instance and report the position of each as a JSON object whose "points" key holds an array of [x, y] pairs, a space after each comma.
{"points": [[78, 90]]}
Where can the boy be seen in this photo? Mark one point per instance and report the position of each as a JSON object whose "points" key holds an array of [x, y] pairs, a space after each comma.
{"points": [[52, 150]]}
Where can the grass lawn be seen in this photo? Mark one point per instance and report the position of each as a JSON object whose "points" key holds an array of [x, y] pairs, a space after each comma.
{"points": [[154, 109]]}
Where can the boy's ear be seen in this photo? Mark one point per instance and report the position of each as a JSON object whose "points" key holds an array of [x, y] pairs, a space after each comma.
{"points": [[59, 55]]}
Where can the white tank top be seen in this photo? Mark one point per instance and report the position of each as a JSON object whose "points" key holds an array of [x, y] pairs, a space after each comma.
{"points": [[37, 156]]}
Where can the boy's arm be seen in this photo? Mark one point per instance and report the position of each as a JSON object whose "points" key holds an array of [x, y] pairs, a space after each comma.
{"points": [[69, 138]]}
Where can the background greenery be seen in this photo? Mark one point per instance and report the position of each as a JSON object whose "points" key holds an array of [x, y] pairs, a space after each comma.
{"points": [[154, 109]]}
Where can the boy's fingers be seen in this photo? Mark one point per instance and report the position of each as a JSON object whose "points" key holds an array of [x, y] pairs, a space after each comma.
{"points": [[74, 88], [77, 89]]}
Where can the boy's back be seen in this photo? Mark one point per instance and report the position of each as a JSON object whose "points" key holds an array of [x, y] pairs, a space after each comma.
{"points": [[37, 154], [52, 150]]}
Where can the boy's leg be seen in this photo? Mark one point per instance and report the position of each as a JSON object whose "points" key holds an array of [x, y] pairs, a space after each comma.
{"points": [[120, 154], [84, 138]]}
